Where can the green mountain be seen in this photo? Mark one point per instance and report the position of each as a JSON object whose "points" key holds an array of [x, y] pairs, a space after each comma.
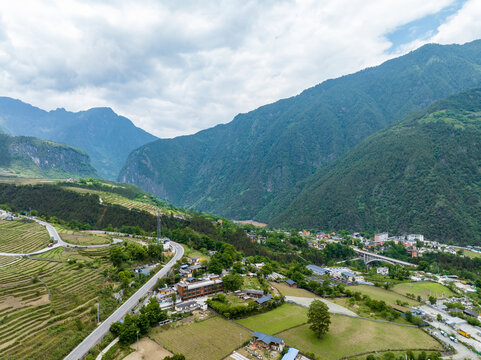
{"points": [[422, 174], [252, 166], [105, 136], [31, 157]]}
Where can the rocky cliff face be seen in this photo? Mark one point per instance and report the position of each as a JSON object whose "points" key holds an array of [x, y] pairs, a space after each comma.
{"points": [[31, 157]]}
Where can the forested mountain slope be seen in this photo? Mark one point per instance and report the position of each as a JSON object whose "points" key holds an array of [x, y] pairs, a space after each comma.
{"points": [[31, 157], [252, 166], [421, 175], [105, 136]]}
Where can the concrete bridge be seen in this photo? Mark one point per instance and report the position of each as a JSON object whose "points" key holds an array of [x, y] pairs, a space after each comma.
{"points": [[368, 257]]}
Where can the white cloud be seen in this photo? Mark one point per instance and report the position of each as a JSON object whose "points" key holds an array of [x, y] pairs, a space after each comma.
{"points": [[178, 67]]}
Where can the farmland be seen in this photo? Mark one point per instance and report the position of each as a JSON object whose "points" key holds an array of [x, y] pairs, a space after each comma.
{"points": [[277, 320], [350, 336], [18, 236], [46, 302], [214, 338], [377, 293], [286, 290], [79, 238], [423, 289]]}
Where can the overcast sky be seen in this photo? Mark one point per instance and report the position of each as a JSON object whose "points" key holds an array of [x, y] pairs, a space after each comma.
{"points": [[177, 67]]}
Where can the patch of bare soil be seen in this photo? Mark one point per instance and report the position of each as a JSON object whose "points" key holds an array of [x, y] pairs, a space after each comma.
{"points": [[147, 349]]}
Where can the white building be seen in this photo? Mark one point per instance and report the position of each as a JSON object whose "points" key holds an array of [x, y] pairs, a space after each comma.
{"points": [[383, 271], [412, 237]]}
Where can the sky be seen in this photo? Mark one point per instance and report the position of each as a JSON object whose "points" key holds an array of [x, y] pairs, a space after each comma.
{"points": [[177, 67]]}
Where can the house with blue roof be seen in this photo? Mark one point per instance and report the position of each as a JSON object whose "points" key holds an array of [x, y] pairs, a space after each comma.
{"points": [[265, 299], [291, 354], [268, 341], [317, 270]]}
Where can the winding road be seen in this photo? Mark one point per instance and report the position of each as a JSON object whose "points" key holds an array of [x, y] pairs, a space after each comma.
{"points": [[97, 335], [52, 232]]}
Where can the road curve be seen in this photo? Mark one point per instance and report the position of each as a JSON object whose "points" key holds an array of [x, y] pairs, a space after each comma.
{"points": [[52, 232], [96, 336]]}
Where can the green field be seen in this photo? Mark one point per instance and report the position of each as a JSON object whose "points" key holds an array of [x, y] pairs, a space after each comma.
{"points": [[194, 253], [378, 293], [251, 283], [210, 339], [18, 236], [286, 290], [472, 254], [350, 336], [282, 318], [423, 289], [83, 238]]}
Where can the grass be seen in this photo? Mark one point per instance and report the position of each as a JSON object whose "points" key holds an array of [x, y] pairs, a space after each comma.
{"points": [[378, 293], [286, 290], [195, 253], [472, 254], [282, 318], [18, 236], [251, 283], [214, 338], [81, 238], [423, 289], [351, 336]]}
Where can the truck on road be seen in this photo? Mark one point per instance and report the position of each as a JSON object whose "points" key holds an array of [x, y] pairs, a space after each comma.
{"points": [[464, 333]]}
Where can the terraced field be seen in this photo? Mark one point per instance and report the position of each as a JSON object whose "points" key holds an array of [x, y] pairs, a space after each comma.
{"points": [[45, 306], [116, 199], [83, 238], [24, 271], [18, 236]]}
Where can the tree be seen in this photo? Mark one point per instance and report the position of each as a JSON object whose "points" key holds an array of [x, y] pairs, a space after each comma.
{"points": [[232, 282], [439, 317], [175, 357], [215, 266], [432, 299], [318, 317]]}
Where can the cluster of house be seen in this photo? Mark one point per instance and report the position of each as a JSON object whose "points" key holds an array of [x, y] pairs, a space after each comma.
{"points": [[340, 274], [5, 215]]}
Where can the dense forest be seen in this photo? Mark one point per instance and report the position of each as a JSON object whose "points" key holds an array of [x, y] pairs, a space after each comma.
{"points": [[253, 166], [420, 175]]}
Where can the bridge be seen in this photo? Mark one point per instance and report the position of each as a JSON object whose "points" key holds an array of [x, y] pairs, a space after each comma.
{"points": [[368, 257]]}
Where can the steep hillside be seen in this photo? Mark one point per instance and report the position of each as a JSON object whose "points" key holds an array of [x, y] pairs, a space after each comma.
{"points": [[252, 166], [27, 156], [419, 175], [107, 137]]}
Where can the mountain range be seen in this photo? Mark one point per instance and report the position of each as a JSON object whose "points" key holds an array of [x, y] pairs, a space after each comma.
{"points": [[256, 165], [421, 174], [32, 157], [105, 136]]}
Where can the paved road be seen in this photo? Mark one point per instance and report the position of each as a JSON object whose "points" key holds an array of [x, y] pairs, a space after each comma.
{"points": [[333, 308], [52, 232], [462, 351], [96, 336]]}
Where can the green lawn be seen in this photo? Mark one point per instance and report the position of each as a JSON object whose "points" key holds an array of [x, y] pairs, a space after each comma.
{"points": [[349, 336], [251, 283], [378, 293], [194, 253], [282, 318], [423, 289], [471, 254], [214, 338], [286, 290]]}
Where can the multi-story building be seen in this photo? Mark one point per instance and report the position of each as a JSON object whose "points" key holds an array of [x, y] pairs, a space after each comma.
{"points": [[200, 288]]}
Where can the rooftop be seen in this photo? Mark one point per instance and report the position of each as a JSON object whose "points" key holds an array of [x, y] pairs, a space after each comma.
{"points": [[267, 339]]}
